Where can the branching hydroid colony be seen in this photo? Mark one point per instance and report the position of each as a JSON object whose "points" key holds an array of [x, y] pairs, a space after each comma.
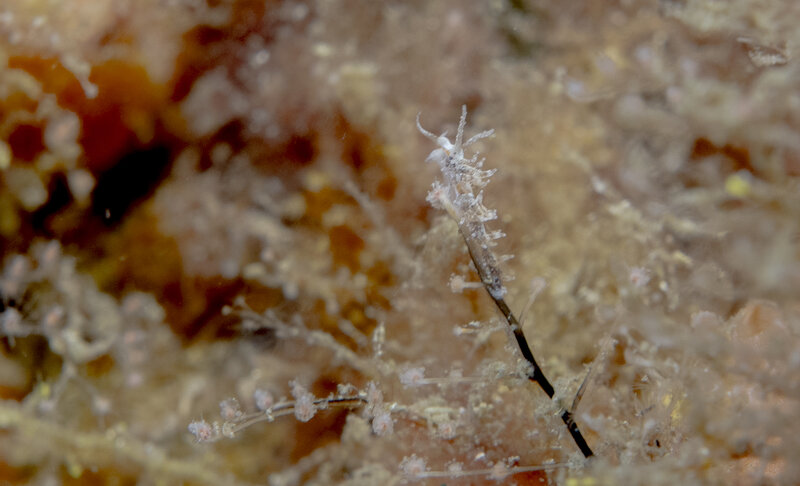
{"points": [[460, 195]]}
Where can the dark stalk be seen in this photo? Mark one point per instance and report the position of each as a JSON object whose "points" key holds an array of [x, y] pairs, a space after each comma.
{"points": [[486, 266]]}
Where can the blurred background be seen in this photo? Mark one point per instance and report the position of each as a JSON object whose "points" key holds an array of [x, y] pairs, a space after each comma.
{"points": [[201, 199]]}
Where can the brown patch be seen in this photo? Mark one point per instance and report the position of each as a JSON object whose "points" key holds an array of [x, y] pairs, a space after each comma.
{"points": [[346, 247], [357, 149], [318, 203], [386, 188], [194, 59], [532, 478], [13, 393], [139, 257], [259, 298], [53, 77], [99, 366], [327, 425], [123, 113], [26, 142], [354, 312], [11, 475], [17, 101], [702, 148], [301, 150], [380, 276], [325, 428], [122, 116], [739, 157], [206, 47]]}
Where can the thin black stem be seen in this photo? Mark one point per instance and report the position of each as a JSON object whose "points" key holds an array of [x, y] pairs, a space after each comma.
{"points": [[489, 275], [537, 375], [576, 434]]}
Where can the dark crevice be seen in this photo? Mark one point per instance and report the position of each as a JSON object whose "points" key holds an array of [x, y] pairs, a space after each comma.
{"points": [[132, 178]]}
